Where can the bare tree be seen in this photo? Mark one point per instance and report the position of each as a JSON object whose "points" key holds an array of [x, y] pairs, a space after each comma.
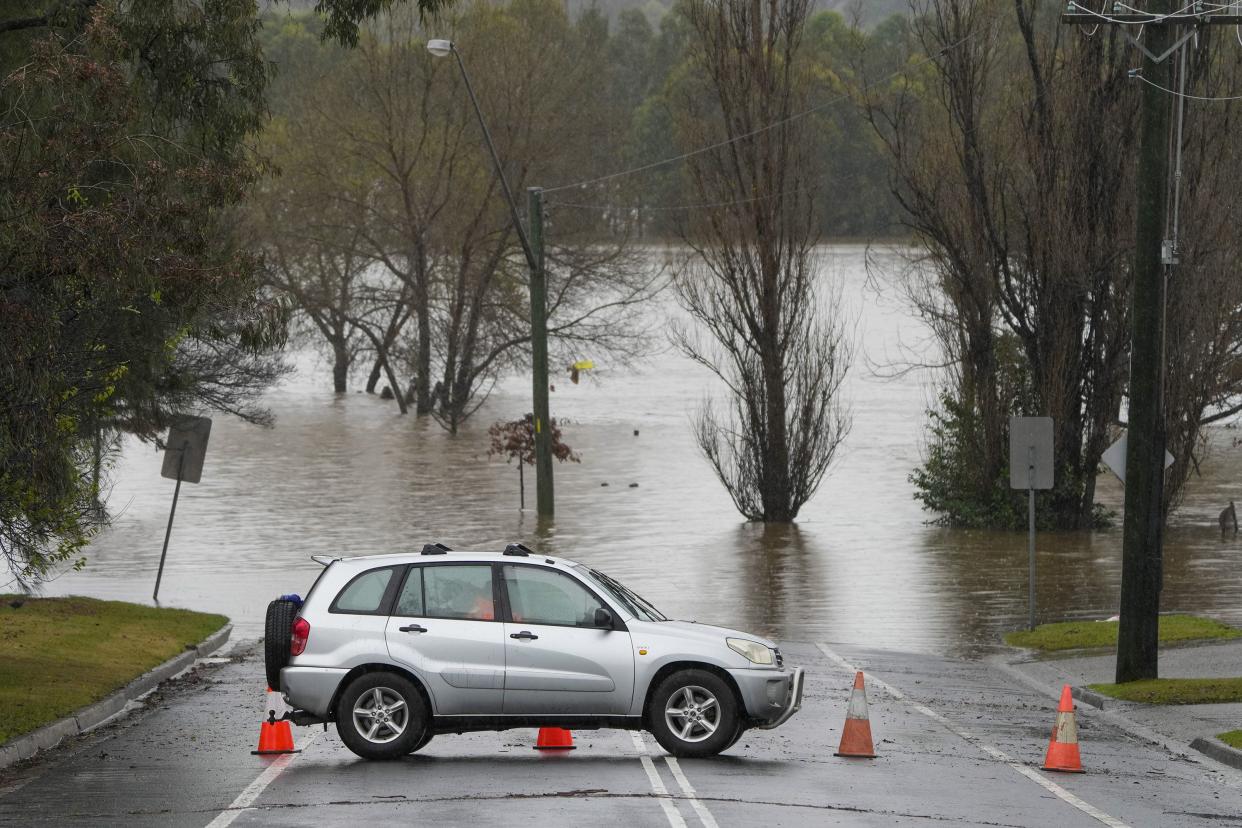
{"points": [[404, 183], [760, 324], [1013, 159], [1203, 379], [318, 266], [1012, 166]]}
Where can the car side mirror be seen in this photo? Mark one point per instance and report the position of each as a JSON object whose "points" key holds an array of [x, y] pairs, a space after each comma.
{"points": [[603, 618]]}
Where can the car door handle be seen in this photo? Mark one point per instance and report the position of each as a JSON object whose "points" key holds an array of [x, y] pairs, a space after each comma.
{"points": [[413, 628], [524, 635]]}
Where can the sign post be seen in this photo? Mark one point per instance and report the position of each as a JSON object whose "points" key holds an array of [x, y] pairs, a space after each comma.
{"points": [[1030, 468], [184, 452]]}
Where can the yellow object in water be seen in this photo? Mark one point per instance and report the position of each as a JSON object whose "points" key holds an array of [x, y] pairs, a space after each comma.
{"points": [[584, 365]]}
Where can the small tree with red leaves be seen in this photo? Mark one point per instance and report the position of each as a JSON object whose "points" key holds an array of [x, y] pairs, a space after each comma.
{"points": [[515, 440]]}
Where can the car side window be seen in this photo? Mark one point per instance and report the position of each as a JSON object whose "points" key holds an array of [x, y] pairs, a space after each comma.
{"points": [[464, 591], [366, 593], [410, 600], [544, 596]]}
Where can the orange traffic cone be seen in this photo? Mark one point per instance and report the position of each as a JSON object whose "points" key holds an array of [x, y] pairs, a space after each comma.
{"points": [[1063, 747], [856, 737], [275, 736], [555, 738]]}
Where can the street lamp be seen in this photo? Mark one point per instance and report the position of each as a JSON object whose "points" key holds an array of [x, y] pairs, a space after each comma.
{"points": [[538, 293]]}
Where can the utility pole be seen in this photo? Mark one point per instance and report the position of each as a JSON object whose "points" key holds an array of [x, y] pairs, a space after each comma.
{"points": [[532, 248], [1141, 552], [539, 357], [1166, 26]]}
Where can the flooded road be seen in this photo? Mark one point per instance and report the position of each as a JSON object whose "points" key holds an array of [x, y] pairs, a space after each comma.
{"points": [[346, 474]]}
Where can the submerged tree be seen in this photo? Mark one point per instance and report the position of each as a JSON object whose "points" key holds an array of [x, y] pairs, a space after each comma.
{"points": [[402, 183], [760, 324], [515, 440], [1012, 153]]}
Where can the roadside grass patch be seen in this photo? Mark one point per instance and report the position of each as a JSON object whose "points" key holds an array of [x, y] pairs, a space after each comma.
{"points": [[1176, 691], [1075, 635], [1233, 738], [60, 654]]}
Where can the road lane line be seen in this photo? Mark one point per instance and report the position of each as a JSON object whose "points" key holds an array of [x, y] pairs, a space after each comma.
{"points": [[657, 784], [1036, 777], [252, 792], [705, 816]]}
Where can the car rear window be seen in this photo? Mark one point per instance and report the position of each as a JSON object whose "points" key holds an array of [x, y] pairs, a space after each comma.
{"points": [[367, 594], [465, 592]]}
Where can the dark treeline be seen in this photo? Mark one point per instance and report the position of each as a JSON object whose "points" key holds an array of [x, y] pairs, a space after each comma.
{"points": [[640, 68]]}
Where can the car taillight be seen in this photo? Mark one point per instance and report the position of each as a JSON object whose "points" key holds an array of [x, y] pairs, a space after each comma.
{"points": [[301, 632]]}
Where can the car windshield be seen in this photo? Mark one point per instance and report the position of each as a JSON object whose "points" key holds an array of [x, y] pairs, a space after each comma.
{"points": [[634, 603]]}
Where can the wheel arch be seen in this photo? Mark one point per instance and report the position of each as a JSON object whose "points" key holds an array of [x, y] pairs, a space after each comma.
{"points": [[672, 667], [375, 667]]}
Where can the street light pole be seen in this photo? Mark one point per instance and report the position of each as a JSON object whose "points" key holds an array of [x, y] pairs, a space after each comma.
{"points": [[539, 356], [538, 295]]}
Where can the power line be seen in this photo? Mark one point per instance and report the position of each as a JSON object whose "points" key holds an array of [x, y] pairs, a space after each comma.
{"points": [[1187, 12], [671, 207], [832, 102], [1177, 94], [704, 205]]}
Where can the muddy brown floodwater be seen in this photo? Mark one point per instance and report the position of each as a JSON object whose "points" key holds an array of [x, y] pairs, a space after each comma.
{"points": [[346, 474]]}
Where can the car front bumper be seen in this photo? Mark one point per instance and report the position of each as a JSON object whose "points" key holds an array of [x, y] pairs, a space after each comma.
{"points": [[311, 688], [770, 696]]}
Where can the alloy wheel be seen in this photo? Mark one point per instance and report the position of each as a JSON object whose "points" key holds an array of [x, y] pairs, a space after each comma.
{"points": [[381, 715], [692, 713]]}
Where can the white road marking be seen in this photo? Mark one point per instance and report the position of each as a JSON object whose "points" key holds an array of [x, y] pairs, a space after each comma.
{"points": [[657, 784], [705, 816], [255, 789], [995, 753]]}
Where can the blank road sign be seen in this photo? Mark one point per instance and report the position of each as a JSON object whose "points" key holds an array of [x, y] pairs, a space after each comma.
{"points": [[1115, 457], [1030, 443], [190, 435]]}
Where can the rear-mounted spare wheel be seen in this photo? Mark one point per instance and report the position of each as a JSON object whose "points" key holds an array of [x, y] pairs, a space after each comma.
{"points": [[277, 634]]}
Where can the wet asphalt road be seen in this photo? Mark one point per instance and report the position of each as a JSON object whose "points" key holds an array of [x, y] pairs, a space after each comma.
{"points": [[961, 747]]}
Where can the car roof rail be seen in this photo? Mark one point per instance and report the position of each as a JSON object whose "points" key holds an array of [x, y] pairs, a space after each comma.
{"points": [[435, 549], [517, 550]]}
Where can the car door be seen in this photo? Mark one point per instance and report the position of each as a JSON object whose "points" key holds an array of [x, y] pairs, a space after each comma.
{"points": [[556, 660], [444, 628]]}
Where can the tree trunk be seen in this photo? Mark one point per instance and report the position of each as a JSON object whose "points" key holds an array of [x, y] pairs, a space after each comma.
{"points": [[422, 368], [340, 366], [374, 378], [777, 506]]}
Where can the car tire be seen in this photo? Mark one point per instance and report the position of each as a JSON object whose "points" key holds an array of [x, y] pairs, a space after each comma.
{"points": [[399, 727], [277, 637], [693, 714], [741, 731], [422, 743]]}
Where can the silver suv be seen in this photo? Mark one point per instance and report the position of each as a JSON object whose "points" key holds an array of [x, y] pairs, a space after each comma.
{"points": [[397, 648]]}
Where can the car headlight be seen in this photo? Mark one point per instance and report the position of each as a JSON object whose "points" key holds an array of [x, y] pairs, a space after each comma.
{"points": [[752, 651]]}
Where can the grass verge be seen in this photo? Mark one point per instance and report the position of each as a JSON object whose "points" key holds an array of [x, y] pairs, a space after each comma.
{"points": [[60, 654], [1074, 635], [1175, 690], [1233, 738]]}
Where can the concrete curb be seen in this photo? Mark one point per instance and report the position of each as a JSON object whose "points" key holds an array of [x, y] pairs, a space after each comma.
{"points": [[93, 715], [1111, 715], [1097, 700], [1218, 750], [1178, 749]]}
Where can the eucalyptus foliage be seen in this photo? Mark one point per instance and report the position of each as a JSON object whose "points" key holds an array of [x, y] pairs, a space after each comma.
{"points": [[123, 300]]}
